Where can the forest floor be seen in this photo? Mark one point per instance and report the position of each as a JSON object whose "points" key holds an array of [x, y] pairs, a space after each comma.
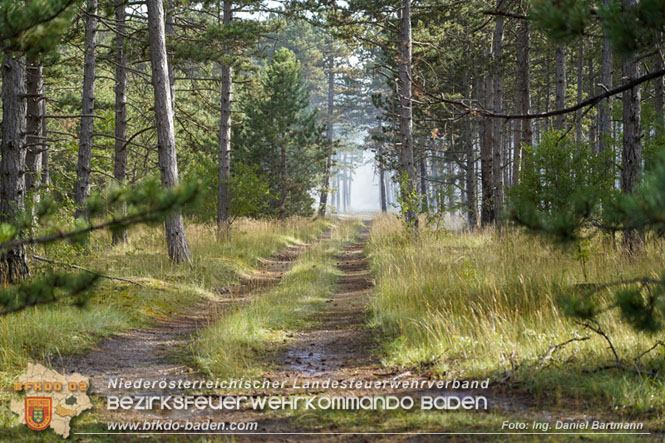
{"points": [[335, 343]]}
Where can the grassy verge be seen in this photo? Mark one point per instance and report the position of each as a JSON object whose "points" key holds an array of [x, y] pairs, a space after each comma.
{"points": [[236, 343], [42, 333], [475, 305]]}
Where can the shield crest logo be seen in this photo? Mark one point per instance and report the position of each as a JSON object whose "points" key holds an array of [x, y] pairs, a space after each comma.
{"points": [[38, 412]]}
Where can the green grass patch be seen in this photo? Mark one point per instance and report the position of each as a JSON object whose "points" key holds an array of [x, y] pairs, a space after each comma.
{"points": [[237, 343]]}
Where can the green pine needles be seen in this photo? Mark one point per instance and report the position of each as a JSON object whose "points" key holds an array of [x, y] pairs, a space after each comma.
{"points": [[117, 208]]}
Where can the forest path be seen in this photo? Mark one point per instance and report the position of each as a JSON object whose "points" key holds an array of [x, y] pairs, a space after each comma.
{"points": [[341, 347], [152, 354]]}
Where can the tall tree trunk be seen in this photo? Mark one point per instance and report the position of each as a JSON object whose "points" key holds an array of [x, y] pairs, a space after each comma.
{"points": [[284, 182], [46, 173], [487, 215], [604, 107], [82, 188], [470, 175], [338, 192], [632, 133], [34, 130], [593, 141], [523, 134], [120, 165], [659, 97], [382, 179], [323, 202], [223, 191], [13, 262], [423, 183], [497, 131], [560, 85], [580, 72], [168, 164], [170, 33], [407, 164]]}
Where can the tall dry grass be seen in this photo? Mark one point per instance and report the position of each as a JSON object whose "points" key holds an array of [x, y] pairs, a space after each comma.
{"points": [[482, 304]]}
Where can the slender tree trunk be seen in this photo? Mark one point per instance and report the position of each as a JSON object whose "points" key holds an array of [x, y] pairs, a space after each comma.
{"points": [[580, 72], [487, 215], [170, 33], [284, 179], [82, 188], [470, 175], [223, 191], [423, 184], [46, 173], [34, 130], [523, 134], [13, 262], [337, 192], [168, 164], [497, 131], [120, 165], [329, 132], [407, 164], [593, 141], [632, 134], [382, 179], [560, 85], [604, 107], [659, 98]]}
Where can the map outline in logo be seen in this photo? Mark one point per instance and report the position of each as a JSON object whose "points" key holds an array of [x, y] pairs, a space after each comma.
{"points": [[36, 407]]}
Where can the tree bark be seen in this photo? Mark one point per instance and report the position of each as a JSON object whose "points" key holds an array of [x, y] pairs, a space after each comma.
{"points": [[323, 202], [13, 262], [523, 135], [470, 175], [560, 85], [604, 107], [82, 188], [382, 179], [632, 134], [423, 184], [497, 131], [223, 191], [580, 71], [176, 240], [46, 172], [170, 33], [407, 164], [487, 215], [120, 164], [34, 130], [659, 98]]}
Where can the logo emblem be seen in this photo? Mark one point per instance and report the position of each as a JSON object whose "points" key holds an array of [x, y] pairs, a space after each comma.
{"points": [[38, 412]]}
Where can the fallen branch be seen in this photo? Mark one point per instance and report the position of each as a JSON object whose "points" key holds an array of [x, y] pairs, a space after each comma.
{"points": [[595, 327], [550, 353], [110, 277]]}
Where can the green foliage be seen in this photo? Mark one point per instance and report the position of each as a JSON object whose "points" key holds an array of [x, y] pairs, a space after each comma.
{"points": [[582, 205], [281, 137], [561, 19], [561, 183], [48, 288], [250, 192], [410, 200], [34, 26], [629, 29]]}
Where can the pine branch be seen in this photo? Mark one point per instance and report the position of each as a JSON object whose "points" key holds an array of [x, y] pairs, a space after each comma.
{"points": [[583, 104], [110, 277]]}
